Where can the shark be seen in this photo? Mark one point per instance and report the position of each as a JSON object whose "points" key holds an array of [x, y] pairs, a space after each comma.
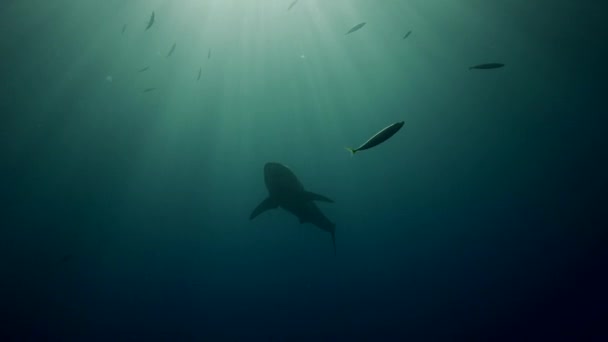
{"points": [[287, 192]]}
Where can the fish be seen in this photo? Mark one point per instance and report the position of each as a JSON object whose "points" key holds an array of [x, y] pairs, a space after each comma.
{"points": [[143, 69], [147, 90], [407, 34], [292, 4], [209, 54], [124, 28], [151, 21], [487, 66], [356, 28], [287, 192], [172, 50], [378, 138], [200, 72]]}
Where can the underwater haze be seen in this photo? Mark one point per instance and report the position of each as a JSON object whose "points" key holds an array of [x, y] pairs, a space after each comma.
{"points": [[134, 137]]}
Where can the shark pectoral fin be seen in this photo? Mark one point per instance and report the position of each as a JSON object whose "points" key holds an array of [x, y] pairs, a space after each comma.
{"points": [[311, 196], [266, 204]]}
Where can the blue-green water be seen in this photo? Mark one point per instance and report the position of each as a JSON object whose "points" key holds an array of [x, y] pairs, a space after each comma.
{"points": [[125, 213]]}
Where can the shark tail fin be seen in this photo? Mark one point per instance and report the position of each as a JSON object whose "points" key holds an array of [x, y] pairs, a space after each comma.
{"points": [[351, 150], [333, 240]]}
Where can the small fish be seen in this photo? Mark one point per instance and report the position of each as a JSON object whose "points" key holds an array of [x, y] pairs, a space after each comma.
{"points": [[143, 69], [124, 28], [407, 34], [356, 28], [172, 49], [147, 90], [151, 22], [378, 138], [292, 4], [209, 54], [487, 66], [200, 72]]}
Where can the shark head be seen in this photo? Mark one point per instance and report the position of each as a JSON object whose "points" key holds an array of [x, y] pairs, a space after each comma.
{"points": [[280, 178]]}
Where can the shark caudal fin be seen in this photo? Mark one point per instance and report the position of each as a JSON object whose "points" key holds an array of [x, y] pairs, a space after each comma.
{"points": [[351, 150]]}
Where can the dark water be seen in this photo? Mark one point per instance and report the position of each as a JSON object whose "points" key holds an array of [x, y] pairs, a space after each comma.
{"points": [[125, 213]]}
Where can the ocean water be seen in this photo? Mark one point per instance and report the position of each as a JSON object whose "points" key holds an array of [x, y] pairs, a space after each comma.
{"points": [[125, 212]]}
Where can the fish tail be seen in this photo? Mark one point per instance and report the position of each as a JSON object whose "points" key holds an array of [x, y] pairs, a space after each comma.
{"points": [[351, 150]]}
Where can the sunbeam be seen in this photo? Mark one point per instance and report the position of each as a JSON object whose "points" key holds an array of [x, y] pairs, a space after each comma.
{"points": [[302, 170]]}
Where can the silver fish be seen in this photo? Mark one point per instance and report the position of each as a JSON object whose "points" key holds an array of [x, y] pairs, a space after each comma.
{"points": [[378, 138], [292, 4], [356, 28], [172, 50], [487, 66], [151, 21]]}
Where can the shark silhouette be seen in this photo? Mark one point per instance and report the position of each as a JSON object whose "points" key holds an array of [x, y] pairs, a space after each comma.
{"points": [[287, 192]]}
